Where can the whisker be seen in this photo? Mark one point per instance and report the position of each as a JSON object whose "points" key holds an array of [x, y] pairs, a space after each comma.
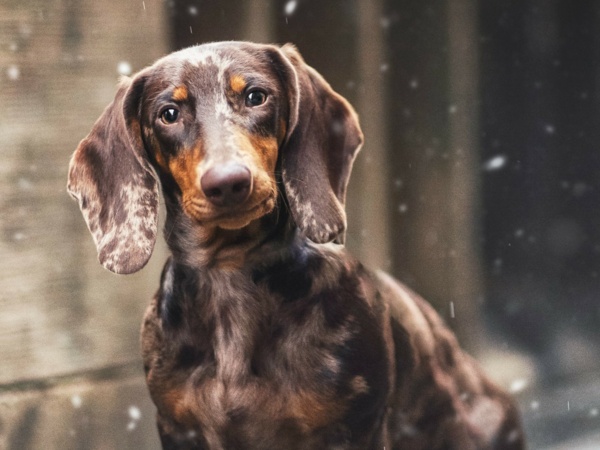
{"points": [[168, 235], [300, 180]]}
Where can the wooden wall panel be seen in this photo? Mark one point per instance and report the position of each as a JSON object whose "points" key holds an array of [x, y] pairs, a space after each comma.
{"points": [[105, 414], [59, 67]]}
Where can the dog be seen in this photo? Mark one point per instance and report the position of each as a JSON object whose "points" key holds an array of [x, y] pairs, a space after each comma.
{"points": [[265, 333]]}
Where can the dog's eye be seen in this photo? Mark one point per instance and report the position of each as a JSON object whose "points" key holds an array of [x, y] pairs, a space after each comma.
{"points": [[255, 98], [169, 115]]}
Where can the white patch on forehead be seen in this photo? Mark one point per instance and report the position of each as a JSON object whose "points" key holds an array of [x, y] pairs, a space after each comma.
{"points": [[193, 55], [209, 57], [222, 109], [205, 57]]}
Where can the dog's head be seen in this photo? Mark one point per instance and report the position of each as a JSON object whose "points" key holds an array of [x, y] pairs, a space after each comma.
{"points": [[215, 122]]}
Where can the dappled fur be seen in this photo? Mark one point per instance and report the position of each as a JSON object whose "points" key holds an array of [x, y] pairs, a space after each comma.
{"points": [[265, 333]]}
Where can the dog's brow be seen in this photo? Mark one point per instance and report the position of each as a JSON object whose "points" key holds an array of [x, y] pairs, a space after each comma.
{"points": [[176, 94], [251, 80], [237, 83], [180, 93]]}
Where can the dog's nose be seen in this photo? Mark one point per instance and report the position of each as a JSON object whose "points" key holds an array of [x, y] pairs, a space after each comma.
{"points": [[226, 184]]}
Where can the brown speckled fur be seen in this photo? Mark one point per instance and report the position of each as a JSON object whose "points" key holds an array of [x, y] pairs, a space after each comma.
{"points": [[265, 333]]}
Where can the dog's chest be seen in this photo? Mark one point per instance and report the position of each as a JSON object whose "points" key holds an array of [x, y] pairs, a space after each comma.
{"points": [[292, 372]]}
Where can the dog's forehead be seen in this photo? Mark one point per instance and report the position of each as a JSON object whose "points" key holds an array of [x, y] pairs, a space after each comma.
{"points": [[216, 62]]}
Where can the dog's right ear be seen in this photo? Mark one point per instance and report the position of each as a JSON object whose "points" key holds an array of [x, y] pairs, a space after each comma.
{"points": [[117, 190]]}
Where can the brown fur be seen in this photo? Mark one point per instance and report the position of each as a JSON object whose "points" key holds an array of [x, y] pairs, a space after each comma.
{"points": [[264, 334]]}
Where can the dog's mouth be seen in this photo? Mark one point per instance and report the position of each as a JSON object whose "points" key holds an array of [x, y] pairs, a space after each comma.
{"points": [[238, 219], [229, 218]]}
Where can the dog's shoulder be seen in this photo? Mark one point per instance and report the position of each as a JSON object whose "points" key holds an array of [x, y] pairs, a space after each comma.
{"points": [[438, 385]]}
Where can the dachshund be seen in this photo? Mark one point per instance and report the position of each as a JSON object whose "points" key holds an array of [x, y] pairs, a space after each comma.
{"points": [[265, 333]]}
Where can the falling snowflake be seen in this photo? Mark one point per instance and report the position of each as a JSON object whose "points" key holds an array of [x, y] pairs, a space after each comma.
{"points": [[18, 236], [414, 83], [495, 163], [518, 385], [290, 7], [134, 413], [13, 73], [535, 405], [193, 10], [124, 68], [385, 22], [76, 401]]}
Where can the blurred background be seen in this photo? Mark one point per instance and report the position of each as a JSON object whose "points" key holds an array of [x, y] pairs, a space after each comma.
{"points": [[478, 186]]}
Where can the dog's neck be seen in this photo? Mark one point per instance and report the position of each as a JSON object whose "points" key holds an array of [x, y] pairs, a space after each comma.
{"points": [[208, 291], [203, 247]]}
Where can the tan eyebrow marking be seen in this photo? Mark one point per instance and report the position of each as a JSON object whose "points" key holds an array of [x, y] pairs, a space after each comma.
{"points": [[237, 83], [180, 94]]}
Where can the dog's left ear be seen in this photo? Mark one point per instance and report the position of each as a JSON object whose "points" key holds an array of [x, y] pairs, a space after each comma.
{"points": [[323, 138]]}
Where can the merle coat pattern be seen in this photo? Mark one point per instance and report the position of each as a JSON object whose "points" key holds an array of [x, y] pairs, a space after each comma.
{"points": [[265, 333]]}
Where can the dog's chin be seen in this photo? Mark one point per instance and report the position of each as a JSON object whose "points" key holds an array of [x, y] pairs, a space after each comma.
{"points": [[237, 220]]}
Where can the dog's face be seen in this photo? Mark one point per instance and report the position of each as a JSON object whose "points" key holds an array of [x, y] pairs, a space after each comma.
{"points": [[213, 122], [216, 122]]}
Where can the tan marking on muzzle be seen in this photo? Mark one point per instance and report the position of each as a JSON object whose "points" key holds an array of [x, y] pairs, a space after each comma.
{"points": [[183, 168], [265, 149]]}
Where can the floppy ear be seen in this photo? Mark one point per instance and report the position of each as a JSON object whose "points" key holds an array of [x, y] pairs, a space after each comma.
{"points": [[112, 180], [323, 137]]}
